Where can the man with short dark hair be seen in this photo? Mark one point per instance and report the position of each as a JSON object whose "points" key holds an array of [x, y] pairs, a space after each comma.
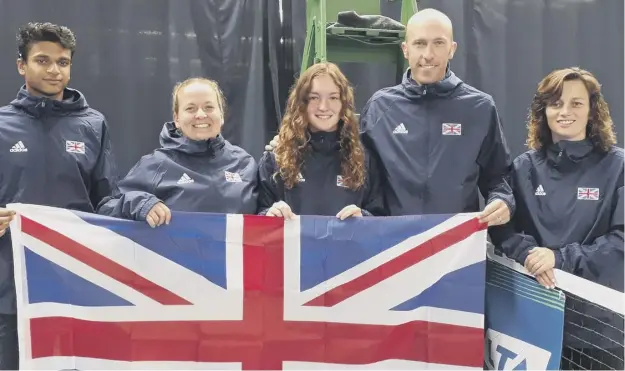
{"points": [[54, 150]]}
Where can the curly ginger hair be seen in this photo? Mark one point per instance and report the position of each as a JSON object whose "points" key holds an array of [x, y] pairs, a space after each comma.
{"points": [[294, 136]]}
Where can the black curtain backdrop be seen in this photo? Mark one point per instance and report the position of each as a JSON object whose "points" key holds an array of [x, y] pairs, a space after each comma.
{"points": [[131, 52]]}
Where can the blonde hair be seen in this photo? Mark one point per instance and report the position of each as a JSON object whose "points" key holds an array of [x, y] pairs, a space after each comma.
{"points": [[221, 100]]}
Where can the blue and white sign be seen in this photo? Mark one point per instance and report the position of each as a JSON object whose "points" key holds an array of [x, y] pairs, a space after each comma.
{"points": [[524, 321]]}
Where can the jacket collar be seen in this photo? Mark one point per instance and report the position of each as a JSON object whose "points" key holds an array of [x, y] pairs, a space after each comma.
{"points": [[324, 142], [441, 88], [567, 153], [172, 138], [73, 100]]}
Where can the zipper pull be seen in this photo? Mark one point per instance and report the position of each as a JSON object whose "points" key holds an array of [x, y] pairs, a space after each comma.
{"points": [[560, 154]]}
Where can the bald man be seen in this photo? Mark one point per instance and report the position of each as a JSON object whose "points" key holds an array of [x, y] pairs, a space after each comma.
{"points": [[439, 140]]}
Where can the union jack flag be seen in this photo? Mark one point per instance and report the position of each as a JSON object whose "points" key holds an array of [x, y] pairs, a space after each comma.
{"points": [[339, 181], [233, 177], [452, 129], [588, 194], [214, 291], [72, 146]]}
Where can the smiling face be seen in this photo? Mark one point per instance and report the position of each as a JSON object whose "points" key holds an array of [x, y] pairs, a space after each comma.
{"points": [[199, 115], [324, 104], [46, 70], [429, 46], [567, 116]]}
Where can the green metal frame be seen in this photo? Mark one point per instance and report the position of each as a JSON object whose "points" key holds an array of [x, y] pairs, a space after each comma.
{"points": [[348, 44]]}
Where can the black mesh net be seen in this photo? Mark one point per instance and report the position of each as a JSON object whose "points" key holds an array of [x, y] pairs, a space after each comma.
{"points": [[593, 336]]}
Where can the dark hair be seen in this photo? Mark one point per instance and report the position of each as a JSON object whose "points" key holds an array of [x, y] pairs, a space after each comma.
{"points": [[600, 129], [38, 32]]}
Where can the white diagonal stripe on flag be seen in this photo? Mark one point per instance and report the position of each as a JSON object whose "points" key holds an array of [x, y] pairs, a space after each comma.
{"points": [[150, 265]]}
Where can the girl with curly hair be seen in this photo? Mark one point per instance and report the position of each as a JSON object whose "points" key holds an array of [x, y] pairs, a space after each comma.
{"points": [[319, 166], [569, 193]]}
